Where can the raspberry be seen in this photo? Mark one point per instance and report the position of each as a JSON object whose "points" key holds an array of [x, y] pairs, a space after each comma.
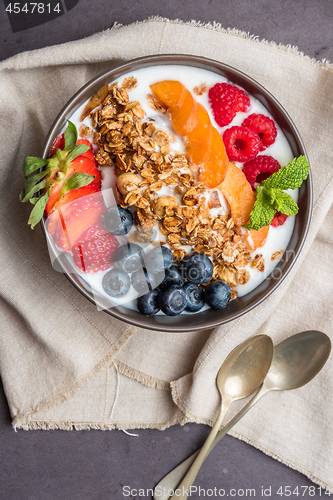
{"points": [[279, 219], [260, 168], [241, 143], [264, 126], [226, 100]]}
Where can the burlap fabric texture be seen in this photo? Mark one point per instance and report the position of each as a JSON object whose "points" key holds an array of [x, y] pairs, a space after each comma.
{"points": [[64, 364]]}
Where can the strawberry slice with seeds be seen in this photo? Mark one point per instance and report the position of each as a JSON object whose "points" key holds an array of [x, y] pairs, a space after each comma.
{"points": [[74, 215], [94, 249], [89, 154]]}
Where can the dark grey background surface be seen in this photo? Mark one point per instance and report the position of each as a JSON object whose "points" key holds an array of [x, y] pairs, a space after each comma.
{"points": [[96, 465]]}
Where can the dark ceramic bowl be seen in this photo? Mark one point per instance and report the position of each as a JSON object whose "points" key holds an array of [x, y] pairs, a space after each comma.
{"points": [[241, 305]]}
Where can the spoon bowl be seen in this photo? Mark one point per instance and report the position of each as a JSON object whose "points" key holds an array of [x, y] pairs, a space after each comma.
{"points": [[245, 368], [297, 360]]}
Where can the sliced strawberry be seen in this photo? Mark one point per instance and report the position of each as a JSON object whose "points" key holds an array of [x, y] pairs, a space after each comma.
{"points": [[76, 194], [79, 164], [74, 215], [59, 143], [94, 249], [84, 141], [83, 164], [88, 154], [70, 167]]}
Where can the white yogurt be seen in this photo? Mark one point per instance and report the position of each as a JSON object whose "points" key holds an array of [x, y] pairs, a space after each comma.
{"points": [[278, 237]]}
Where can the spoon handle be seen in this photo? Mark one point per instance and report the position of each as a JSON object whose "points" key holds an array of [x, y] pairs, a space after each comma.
{"points": [[172, 480], [195, 467]]}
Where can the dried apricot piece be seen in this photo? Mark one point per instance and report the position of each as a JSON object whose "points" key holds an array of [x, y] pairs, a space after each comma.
{"points": [[198, 141], [213, 169], [168, 92], [204, 145], [238, 192], [185, 118], [179, 102], [256, 239]]}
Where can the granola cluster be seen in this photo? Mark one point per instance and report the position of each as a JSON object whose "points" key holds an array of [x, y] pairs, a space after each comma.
{"points": [[144, 165]]}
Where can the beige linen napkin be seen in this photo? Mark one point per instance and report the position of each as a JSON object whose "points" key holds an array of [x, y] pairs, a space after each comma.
{"points": [[66, 365]]}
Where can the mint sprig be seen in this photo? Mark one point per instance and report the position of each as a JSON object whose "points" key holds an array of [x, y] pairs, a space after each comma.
{"points": [[270, 195]]}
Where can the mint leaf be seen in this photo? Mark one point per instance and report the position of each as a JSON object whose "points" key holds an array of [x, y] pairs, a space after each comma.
{"points": [[272, 198], [289, 177], [78, 150], [76, 181], [31, 164], [70, 136], [269, 194], [285, 204], [38, 210], [262, 212]]}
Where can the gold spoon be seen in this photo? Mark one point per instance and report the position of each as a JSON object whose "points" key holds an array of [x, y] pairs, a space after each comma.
{"points": [[241, 373], [296, 361]]}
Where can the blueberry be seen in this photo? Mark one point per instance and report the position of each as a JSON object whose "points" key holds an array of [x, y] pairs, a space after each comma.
{"points": [[172, 300], [217, 294], [148, 303], [116, 283], [128, 257], [142, 282], [198, 268], [117, 220], [159, 259], [173, 276], [195, 297]]}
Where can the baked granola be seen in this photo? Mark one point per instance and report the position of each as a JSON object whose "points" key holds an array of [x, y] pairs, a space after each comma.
{"points": [[144, 163]]}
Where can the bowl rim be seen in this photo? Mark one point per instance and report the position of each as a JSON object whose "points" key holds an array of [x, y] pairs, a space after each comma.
{"points": [[170, 323]]}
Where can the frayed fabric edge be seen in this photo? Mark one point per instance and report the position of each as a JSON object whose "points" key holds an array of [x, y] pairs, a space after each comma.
{"points": [[20, 419], [12, 62], [189, 416], [102, 426], [292, 49], [141, 377]]}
